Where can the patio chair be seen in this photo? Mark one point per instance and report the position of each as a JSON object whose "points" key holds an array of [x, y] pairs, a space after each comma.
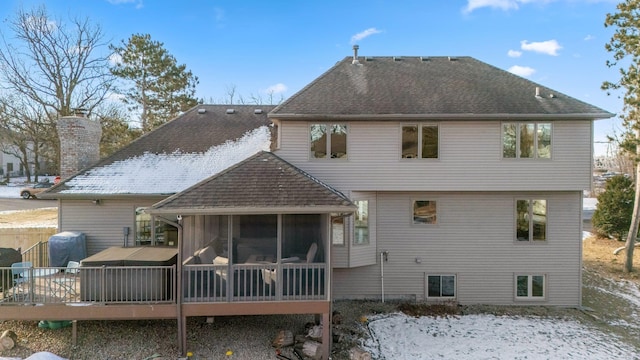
{"points": [[21, 281], [269, 276], [67, 283]]}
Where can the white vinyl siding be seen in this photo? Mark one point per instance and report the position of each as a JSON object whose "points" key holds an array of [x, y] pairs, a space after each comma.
{"points": [[469, 159], [474, 240], [102, 224]]}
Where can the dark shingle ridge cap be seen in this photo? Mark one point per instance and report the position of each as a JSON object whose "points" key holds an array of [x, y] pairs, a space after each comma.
{"points": [[288, 110], [259, 154], [299, 93], [311, 177]]}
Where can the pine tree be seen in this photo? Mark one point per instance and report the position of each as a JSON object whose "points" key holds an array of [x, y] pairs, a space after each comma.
{"points": [[615, 206], [626, 57], [157, 86]]}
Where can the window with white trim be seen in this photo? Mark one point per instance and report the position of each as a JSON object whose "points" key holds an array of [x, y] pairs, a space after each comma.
{"points": [[531, 220], [530, 287], [424, 212], [420, 141], [526, 140], [328, 141], [337, 230], [361, 223], [441, 286]]}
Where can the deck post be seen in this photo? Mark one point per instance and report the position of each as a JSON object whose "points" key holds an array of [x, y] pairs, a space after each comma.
{"points": [[326, 335]]}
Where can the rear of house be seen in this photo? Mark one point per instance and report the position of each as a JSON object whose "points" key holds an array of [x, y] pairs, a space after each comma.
{"points": [[468, 179]]}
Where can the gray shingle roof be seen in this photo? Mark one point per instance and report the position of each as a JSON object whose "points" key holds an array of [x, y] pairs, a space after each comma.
{"points": [[195, 132], [433, 87], [261, 183]]}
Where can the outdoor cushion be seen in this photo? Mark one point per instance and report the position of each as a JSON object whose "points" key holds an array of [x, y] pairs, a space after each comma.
{"points": [[206, 255]]}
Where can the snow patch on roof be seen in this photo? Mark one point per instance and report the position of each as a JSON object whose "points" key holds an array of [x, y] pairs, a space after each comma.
{"points": [[168, 173]]}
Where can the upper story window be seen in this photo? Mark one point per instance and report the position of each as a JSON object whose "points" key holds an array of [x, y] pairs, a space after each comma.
{"points": [[328, 141], [526, 140], [420, 141], [531, 220]]}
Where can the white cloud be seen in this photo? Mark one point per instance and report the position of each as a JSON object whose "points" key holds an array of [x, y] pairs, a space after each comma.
{"points": [[514, 53], [499, 4], [549, 47], [589, 37], [521, 70], [364, 34], [219, 14], [115, 59], [276, 89], [138, 3]]}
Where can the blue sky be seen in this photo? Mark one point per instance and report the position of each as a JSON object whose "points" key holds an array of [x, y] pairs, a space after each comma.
{"points": [[275, 46]]}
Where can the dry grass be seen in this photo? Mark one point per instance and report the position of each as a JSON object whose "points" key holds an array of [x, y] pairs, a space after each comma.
{"points": [[597, 256], [23, 218]]}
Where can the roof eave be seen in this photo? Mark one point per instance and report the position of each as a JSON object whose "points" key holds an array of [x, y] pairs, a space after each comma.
{"points": [[255, 210], [85, 196], [572, 116]]}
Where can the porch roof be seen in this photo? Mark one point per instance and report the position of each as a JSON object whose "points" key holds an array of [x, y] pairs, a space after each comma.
{"points": [[263, 183]]}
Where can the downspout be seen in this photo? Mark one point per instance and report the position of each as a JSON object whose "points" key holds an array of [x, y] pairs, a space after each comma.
{"points": [[182, 332], [384, 256]]}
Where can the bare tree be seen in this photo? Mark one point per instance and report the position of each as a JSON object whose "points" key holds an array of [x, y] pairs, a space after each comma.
{"points": [[54, 66], [50, 69], [27, 130]]}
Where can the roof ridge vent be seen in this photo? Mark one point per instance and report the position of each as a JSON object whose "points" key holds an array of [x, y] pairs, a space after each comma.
{"points": [[368, 58], [202, 111], [257, 111], [452, 58], [231, 111], [397, 58], [424, 58]]}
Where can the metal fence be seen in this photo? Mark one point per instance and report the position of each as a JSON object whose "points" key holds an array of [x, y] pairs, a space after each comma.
{"points": [[105, 285]]}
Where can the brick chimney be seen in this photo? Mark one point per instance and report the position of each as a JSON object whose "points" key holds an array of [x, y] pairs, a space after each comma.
{"points": [[79, 143]]}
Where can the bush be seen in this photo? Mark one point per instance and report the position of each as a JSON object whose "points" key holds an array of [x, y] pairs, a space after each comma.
{"points": [[612, 217]]}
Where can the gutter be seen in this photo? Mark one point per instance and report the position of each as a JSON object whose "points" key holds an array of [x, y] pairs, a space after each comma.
{"points": [[90, 196]]}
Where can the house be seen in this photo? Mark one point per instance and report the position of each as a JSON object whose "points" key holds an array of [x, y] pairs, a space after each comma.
{"points": [[421, 178], [468, 179]]}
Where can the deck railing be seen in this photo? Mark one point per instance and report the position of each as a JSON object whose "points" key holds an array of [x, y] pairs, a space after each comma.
{"points": [[37, 254], [105, 285], [254, 282], [157, 284]]}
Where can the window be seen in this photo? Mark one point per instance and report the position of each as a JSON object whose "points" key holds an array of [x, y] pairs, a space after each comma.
{"points": [[531, 220], [361, 223], [337, 230], [526, 140], [530, 287], [420, 141], [424, 212], [150, 232], [441, 286], [328, 139]]}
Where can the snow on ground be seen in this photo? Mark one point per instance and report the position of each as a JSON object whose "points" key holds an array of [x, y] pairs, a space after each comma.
{"points": [[398, 336], [9, 192]]}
